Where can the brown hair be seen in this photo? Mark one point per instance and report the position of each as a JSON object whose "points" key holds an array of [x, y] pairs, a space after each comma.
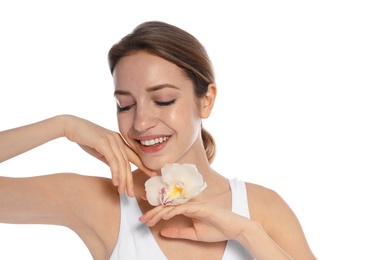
{"points": [[177, 46]]}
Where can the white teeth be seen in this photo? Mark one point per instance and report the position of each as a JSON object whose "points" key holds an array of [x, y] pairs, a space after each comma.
{"points": [[154, 141]]}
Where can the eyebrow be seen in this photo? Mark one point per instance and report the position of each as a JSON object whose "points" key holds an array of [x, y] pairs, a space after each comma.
{"points": [[149, 89]]}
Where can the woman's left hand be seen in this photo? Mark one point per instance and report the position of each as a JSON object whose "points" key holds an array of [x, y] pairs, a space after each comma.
{"points": [[214, 224], [210, 223]]}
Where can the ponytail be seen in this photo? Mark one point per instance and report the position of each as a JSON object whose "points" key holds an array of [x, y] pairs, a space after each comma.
{"points": [[209, 145]]}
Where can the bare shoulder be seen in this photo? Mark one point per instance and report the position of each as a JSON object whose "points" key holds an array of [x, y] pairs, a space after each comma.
{"points": [[267, 206], [269, 209], [260, 197]]}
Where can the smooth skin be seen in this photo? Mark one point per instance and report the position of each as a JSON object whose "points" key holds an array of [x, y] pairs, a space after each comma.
{"points": [[104, 144], [155, 100]]}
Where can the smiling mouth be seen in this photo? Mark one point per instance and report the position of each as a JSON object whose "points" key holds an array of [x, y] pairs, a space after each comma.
{"points": [[154, 141]]}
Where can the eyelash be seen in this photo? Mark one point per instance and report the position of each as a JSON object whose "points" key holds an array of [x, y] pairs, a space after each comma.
{"points": [[123, 109], [166, 103], [162, 104]]}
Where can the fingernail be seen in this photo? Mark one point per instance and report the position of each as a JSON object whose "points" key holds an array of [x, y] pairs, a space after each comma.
{"points": [[115, 182], [121, 191], [141, 218]]}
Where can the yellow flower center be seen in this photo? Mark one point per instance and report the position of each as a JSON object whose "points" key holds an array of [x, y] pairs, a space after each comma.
{"points": [[167, 195], [177, 190]]}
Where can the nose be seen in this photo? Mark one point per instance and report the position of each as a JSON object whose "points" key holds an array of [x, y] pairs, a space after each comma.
{"points": [[144, 118]]}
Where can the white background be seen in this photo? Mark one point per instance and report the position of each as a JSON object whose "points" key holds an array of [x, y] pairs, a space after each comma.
{"points": [[290, 112]]}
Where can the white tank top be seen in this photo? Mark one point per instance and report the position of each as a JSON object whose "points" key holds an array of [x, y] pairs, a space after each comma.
{"points": [[136, 242]]}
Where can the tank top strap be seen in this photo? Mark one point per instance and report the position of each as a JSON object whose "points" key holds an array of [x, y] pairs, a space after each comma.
{"points": [[234, 250], [239, 197]]}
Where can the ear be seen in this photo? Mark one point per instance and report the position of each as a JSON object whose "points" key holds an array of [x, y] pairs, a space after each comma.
{"points": [[208, 101]]}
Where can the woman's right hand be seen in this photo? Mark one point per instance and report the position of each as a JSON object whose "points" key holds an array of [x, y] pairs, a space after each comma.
{"points": [[104, 144], [107, 146]]}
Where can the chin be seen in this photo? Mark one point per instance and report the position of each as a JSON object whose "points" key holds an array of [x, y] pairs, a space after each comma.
{"points": [[155, 164]]}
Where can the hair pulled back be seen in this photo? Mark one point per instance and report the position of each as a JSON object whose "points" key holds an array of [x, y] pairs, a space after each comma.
{"points": [[176, 46]]}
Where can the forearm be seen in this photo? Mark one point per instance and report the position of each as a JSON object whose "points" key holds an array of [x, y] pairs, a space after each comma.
{"points": [[259, 243], [21, 139]]}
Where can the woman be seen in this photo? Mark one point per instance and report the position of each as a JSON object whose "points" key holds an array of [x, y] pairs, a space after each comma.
{"points": [[164, 87]]}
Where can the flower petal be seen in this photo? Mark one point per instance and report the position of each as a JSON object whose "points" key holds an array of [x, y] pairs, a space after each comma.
{"points": [[152, 188], [172, 173], [177, 185]]}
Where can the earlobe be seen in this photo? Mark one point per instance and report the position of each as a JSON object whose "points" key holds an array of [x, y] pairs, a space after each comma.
{"points": [[208, 101]]}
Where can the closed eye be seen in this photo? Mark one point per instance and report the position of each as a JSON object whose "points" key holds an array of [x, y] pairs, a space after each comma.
{"points": [[166, 103], [159, 103], [124, 109]]}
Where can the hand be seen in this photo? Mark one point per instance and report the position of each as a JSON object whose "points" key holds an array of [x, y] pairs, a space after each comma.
{"points": [[214, 224], [109, 147], [210, 223]]}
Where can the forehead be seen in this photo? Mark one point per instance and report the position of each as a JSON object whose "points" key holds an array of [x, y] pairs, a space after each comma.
{"points": [[145, 69]]}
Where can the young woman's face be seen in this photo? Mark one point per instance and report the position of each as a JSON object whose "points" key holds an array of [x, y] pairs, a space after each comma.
{"points": [[158, 114]]}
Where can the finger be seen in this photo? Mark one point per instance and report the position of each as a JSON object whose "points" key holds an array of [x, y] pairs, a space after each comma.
{"points": [[181, 233], [122, 174], [114, 168], [149, 214], [110, 152], [123, 177], [135, 159], [126, 174], [129, 181], [160, 215], [118, 170], [189, 209], [143, 196], [155, 215]]}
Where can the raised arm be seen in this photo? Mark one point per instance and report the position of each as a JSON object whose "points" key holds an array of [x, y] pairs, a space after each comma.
{"points": [[21, 139], [104, 144]]}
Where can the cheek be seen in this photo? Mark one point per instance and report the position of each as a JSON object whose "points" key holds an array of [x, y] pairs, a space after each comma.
{"points": [[123, 125], [183, 117], [178, 116]]}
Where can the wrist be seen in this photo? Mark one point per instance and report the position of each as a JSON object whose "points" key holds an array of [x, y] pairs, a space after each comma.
{"points": [[61, 125], [252, 229], [255, 239]]}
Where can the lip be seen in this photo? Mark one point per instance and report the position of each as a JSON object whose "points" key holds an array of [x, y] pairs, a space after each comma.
{"points": [[154, 148]]}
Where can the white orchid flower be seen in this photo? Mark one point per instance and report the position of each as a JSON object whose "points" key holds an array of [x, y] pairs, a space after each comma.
{"points": [[177, 184]]}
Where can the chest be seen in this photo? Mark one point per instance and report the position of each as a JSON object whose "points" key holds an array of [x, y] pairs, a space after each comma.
{"points": [[177, 249]]}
